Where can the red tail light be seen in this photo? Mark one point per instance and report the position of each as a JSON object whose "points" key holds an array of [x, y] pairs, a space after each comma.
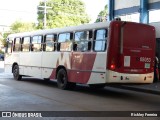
{"points": [[113, 66]]}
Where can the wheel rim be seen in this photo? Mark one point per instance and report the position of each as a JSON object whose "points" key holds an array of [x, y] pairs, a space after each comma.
{"points": [[62, 78], [15, 72]]}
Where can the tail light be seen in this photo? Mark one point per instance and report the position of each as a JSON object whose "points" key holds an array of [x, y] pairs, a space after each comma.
{"points": [[113, 66]]}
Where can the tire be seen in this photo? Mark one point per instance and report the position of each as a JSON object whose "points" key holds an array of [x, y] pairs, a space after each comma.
{"points": [[62, 80], [16, 74], [97, 86]]}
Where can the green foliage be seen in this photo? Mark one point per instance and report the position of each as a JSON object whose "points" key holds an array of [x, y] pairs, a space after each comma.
{"points": [[102, 14], [63, 13], [1, 52], [19, 26], [3, 41]]}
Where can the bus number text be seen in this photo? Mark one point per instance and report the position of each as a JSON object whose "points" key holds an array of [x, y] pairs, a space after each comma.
{"points": [[145, 59]]}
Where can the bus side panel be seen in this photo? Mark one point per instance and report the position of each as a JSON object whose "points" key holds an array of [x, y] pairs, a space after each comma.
{"points": [[88, 67], [7, 64], [10, 59], [52, 60], [98, 74], [82, 64], [31, 63], [49, 60]]}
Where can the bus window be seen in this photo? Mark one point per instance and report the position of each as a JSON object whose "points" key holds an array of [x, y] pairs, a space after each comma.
{"points": [[36, 43], [64, 42], [82, 41], [25, 44], [100, 40], [50, 44], [9, 47], [17, 44]]}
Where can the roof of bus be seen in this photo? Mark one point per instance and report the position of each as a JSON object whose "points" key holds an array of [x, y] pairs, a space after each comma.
{"points": [[61, 30]]}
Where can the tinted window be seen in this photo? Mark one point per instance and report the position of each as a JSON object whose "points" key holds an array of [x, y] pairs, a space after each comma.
{"points": [[50, 44], [82, 42], [36, 43], [100, 40], [17, 43], [9, 47], [26, 44], [64, 42], [79, 36]]}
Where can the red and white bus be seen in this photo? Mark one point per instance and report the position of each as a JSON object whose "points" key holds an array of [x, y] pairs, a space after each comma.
{"points": [[95, 54]]}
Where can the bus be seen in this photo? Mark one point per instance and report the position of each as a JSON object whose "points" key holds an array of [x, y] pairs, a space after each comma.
{"points": [[96, 54]]}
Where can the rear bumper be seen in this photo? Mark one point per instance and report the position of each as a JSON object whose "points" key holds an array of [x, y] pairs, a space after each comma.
{"points": [[115, 77]]}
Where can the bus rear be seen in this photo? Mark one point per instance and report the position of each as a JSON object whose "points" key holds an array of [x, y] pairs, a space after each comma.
{"points": [[131, 53]]}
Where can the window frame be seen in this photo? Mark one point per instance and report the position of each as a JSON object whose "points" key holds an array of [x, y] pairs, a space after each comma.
{"points": [[26, 44], [54, 42], [9, 42], [105, 39], [40, 49], [89, 41], [19, 44], [70, 47]]}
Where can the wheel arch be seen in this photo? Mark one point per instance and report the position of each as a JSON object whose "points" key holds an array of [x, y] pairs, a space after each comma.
{"points": [[60, 67]]}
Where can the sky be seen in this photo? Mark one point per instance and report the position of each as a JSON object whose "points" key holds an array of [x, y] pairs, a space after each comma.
{"points": [[26, 10]]}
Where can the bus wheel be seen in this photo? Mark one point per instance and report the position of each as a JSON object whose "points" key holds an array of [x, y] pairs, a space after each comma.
{"points": [[16, 74], [62, 80], [97, 86]]}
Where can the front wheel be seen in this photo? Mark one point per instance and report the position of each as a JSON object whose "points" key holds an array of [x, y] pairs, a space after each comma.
{"points": [[62, 80], [16, 74]]}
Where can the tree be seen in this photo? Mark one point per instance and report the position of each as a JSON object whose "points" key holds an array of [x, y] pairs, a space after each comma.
{"points": [[63, 13], [102, 14], [3, 40], [19, 26]]}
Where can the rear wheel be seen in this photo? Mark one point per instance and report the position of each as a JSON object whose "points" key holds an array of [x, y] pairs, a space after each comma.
{"points": [[16, 74], [62, 80]]}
